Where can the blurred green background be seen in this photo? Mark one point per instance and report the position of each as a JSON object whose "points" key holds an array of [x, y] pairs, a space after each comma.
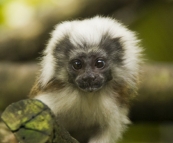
{"points": [[24, 31]]}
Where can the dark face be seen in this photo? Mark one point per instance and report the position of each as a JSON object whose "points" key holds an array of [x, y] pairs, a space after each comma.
{"points": [[89, 72]]}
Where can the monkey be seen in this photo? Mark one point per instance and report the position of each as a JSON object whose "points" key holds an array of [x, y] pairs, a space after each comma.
{"points": [[89, 72]]}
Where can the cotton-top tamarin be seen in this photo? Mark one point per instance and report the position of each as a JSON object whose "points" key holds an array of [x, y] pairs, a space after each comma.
{"points": [[89, 72]]}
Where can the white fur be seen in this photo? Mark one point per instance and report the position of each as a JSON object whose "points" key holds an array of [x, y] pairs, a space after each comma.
{"points": [[80, 110], [74, 107], [92, 30]]}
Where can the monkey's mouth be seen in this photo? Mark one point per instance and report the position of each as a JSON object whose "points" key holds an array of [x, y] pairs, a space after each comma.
{"points": [[90, 87]]}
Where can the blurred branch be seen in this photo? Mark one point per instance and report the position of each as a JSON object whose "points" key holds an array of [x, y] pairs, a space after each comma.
{"points": [[154, 101], [24, 44], [16, 81]]}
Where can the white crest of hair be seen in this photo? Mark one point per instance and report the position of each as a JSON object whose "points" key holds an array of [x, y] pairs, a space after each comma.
{"points": [[91, 31]]}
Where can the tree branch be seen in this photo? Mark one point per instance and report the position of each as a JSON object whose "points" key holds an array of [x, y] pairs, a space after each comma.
{"points": [[32, 121]]}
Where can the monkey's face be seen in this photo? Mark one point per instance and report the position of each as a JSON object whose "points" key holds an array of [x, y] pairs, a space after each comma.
{"points": [[86, 65], [87, 54], [89, 72]]}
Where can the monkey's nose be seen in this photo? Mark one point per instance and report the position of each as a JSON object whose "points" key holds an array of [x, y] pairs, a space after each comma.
{"points": [[89, 78]]}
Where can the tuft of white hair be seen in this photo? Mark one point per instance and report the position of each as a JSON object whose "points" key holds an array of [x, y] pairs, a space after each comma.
{"points": [[91, 30]]}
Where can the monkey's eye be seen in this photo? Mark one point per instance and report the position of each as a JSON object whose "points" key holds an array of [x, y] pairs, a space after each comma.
{"points": [[77, 64], [100, 63]]}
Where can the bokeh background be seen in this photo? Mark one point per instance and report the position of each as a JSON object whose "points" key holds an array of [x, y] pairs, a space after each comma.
{"points": [[24, 31]]}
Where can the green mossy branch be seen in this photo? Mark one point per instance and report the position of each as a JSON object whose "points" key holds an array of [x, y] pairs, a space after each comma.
{"points": [[32, 121]]}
